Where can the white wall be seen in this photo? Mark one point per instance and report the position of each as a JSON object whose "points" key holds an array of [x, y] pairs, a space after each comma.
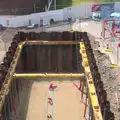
{"points": [[15, 21], [46, 16], [81, 11], [117, 6], [3, 20], [20, 21]]}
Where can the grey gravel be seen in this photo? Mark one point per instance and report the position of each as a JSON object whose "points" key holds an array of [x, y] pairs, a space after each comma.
{"points": [[110, 77]]}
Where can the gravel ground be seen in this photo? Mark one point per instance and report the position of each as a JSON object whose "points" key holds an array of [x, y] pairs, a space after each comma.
{"points": [[110, 77]]}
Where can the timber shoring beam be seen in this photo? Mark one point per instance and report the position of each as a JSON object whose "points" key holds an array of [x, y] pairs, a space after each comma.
{"points": [[48, 75]]}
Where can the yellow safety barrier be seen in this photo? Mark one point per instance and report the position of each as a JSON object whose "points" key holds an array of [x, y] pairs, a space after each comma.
{"points": [[90, 84], [70, 30], [47, 75], [114, 66], [51, 42], [107, 50]]}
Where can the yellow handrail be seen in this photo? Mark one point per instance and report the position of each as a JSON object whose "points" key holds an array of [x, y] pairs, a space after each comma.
{"points": [[47, 75], [38, 42], [90, 84]]}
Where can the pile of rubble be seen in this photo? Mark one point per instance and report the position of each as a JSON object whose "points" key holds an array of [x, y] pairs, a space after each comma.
{"points": [[110, 77]]}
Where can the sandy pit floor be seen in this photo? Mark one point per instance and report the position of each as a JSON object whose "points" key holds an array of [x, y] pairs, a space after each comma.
{"points": [[66, 101]]}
